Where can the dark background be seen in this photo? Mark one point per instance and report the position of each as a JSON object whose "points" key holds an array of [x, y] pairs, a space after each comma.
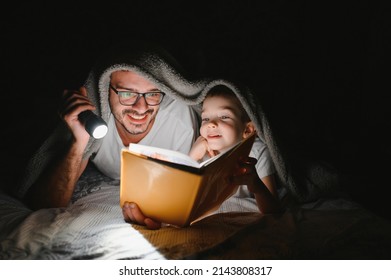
{"points": [[321, 70]]}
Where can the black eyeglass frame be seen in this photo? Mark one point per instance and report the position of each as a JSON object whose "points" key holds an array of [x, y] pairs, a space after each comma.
{"points": [[138, 96]]}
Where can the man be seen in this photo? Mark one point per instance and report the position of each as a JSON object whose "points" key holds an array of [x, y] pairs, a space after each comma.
{"points": [[134, 89]]}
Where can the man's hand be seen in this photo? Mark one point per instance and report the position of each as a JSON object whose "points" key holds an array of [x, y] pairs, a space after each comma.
{"points": [[132, 213], [72, 104]]}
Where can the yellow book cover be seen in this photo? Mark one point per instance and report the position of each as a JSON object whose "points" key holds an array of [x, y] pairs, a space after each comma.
{"points": [[172, 188]]}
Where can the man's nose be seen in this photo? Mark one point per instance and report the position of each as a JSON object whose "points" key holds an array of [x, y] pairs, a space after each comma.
{"points": [[140, 103]]}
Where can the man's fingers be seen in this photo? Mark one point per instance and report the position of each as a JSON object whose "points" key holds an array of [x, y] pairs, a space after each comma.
{"points": [[132, 213], [127, 213], [151, 224], [83, 91], [138, 217], [74, 102]]}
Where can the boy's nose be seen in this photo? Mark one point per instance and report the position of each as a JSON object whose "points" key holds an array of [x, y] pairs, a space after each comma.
{"points": [[212, 123]]}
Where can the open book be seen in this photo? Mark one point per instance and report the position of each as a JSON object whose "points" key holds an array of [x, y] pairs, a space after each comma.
{"points": [[172, 188]]}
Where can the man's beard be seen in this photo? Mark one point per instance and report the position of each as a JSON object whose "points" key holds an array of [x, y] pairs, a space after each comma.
{"points": [[137, 128]]}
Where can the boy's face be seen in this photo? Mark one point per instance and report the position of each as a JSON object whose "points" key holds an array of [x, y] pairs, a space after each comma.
{"points": [[221, 123]]}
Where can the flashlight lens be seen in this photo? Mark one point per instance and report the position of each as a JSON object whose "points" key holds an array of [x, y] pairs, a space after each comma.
{"points": [[100, 131]]}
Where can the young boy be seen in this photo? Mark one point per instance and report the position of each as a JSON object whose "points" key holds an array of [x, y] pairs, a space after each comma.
{"points": [[224, 123]]}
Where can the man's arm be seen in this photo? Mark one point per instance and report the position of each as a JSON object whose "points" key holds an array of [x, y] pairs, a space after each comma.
{"points": [[55, 186]]}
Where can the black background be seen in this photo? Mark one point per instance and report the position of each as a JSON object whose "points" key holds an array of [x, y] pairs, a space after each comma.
{"points": [[321, 69]]}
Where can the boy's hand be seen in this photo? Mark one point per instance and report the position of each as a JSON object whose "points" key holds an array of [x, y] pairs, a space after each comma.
{"points": [[200, 149], [246, 174]]}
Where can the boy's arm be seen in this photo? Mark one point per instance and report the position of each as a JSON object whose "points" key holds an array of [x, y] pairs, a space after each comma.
{"points": [[265, 193], [264, 189]]}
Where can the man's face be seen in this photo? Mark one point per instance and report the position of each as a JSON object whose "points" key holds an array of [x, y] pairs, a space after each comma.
{"points": [[133, 121]]}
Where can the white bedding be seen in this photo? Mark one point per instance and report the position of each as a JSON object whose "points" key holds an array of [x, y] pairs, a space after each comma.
{"points": [[92, 227]]}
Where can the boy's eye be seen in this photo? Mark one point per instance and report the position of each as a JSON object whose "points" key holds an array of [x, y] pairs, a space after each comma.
{"points": [[205, 119], [224, 117]]}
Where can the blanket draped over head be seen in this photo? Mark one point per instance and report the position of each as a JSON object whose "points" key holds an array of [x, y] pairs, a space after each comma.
{"points": [[305, 181]]}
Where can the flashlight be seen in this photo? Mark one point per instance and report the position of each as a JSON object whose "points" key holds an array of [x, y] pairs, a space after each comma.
{"points": [[94, 125]]}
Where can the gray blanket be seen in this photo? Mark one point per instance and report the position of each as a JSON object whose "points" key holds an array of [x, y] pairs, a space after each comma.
{"points": [[304, 180], [92, 226]]}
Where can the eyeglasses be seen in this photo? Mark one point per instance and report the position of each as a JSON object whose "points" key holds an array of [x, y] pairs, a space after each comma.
{"points": [[129, 98]]}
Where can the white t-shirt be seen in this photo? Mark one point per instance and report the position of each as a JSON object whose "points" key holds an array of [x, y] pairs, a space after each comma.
{"points": [[264, 163], [175, 128]]}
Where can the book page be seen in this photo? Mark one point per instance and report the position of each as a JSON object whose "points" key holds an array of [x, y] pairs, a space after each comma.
{"points": [[163, 154]]}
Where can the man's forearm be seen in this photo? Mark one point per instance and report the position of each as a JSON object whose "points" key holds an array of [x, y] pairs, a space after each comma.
{"points": [[55, 186]]}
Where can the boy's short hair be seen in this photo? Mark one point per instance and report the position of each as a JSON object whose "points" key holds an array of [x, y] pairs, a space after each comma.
{"points": [[224, 91]]}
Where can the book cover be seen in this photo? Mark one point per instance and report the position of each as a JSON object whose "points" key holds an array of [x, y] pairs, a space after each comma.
{"points": [[171, 187]]}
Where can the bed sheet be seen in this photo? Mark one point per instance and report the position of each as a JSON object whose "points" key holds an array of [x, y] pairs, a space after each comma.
{"points": [[92, 227]]}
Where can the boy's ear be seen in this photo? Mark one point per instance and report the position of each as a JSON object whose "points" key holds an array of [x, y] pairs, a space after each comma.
{"points": [[249, 129]]}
